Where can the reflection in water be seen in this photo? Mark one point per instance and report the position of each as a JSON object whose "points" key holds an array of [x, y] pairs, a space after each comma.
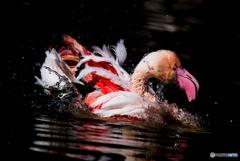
{"points": [[94, 140]]}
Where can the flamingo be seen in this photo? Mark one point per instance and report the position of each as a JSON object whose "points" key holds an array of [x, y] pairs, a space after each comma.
{"points": [[116, 91]]}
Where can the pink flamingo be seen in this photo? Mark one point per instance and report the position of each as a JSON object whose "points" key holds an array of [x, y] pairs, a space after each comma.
{"points": [[118, 93]]}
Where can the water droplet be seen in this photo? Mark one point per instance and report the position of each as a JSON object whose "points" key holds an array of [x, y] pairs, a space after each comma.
{"points": [[175, 145], [57, 84]]}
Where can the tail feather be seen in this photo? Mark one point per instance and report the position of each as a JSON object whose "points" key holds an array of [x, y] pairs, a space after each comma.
{"points": [[63, 66], [55, 63]]}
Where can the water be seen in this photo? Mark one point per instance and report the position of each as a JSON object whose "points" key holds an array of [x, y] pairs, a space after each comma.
{"points": [[67, 99], [94, 139], [204, 36]]}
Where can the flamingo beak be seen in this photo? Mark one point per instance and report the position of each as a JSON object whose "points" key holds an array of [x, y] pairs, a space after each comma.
{"points": [[187, 83]]}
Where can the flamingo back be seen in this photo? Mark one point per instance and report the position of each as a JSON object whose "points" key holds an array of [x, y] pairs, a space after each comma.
{"points": [[104, 72]]}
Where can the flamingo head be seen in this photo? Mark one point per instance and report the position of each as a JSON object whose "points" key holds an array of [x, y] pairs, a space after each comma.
{"points": [[166, 66]]}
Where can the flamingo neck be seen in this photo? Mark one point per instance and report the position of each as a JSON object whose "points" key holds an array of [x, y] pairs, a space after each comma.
{"points": [[139, 80]]}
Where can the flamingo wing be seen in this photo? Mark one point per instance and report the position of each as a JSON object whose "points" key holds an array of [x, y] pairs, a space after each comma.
{"points": [[121, 103], [102, 71]]}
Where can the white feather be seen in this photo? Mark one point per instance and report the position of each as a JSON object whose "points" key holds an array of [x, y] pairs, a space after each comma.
{"points": [[97, 49], [94, 58], [118, 102], [39, 81], [106, 49], [55, 63], [105, 52], [120, 52], [105, 98], [49, 78], [121, 103], [106, 74], [127, 110], [121, 72]]}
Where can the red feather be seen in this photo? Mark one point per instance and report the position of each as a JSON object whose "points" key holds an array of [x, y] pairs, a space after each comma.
{"points": [[105, 85]]}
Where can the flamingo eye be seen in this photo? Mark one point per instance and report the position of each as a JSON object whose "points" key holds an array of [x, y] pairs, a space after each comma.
{"points": [[173, 65]]}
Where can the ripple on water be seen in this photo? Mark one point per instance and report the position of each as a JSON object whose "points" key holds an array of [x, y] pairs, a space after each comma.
{"points": [[94, 139]]}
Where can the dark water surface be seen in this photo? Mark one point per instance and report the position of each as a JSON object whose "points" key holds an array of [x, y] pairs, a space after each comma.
{"points": [[55, 137], [205, 35]]}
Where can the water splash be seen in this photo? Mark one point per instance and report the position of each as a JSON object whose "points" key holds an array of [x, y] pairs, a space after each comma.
{"points": [[66, 98], [163, 112], [159, 92]]}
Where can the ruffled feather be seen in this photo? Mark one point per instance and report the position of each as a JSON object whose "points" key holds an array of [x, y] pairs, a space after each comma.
{"points": [[121, 103], [106, 74], [120, 52], [55, 63]]}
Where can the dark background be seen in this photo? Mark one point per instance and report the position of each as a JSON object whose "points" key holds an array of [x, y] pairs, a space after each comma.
{"points": [[204, 34]]}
